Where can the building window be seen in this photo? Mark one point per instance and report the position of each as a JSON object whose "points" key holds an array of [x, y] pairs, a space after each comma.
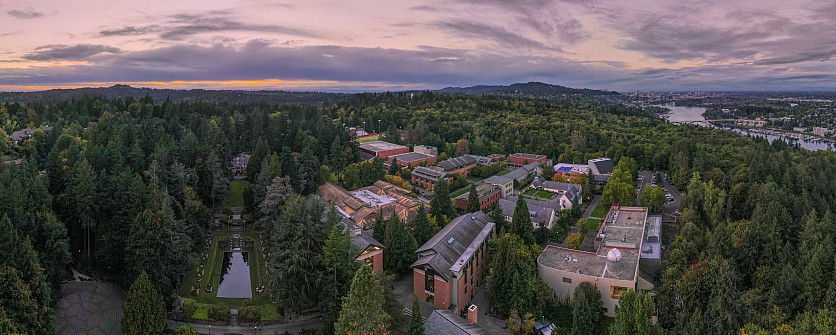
{"points": [[429, 282], [567, 280], [616, 291], [369, 261], [430, 298]]}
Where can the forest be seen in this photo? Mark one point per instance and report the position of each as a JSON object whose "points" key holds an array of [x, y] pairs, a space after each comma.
{"points": [[124, 188]]}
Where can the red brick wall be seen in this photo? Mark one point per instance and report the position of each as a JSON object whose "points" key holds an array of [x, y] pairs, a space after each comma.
{"points": [[413, 164], [490, 200], [387, 153], [442, 293], [465, 171], [524, 161], [418, 285], [461, 203], [377, 263]]}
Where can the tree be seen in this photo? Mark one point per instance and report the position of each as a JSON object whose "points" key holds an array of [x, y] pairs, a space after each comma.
{"points": [[634, 315], [521, 323], [339, 258], [394, 167], [441, 207], [586, 310], [400, 245], [185, 330], [275, 197], [219, 312], [24, 291], [653, 198], [416, 326], [262, 151], [513, 273], [521, 221], [498, 218], [144, 308], [573, 241], [80, 197], [248, 312], [422, 230], [473, 204], [362, 311]]}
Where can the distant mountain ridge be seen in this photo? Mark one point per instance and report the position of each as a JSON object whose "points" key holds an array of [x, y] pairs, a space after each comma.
{"points": [[535, 90], [531, 89], [159, 95]]}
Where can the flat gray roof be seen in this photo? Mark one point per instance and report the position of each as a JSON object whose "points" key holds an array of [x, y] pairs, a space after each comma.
{"points": [[411, 156], [380, 146]]}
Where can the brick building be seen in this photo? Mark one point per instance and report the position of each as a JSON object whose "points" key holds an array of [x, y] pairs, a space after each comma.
{"points": [[488, 194], [427, 177], [520, 159], [381, 149], [363, 205], [451, 265], [369, 250]]}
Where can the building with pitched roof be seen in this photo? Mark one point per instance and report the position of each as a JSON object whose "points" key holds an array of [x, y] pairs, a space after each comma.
{"points": [[363, 205], [451, 264], [612, 267], [541, 212], [461, 165], [565, 193], [426, 149], [488, 195], [506, 184], [369, 250], [601, 169]]}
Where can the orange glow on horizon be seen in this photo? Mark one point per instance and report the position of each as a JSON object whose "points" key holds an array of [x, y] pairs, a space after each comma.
{"points": [[183, 84]]}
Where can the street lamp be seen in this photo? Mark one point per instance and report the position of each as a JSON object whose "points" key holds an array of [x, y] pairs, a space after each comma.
{"points": [[378, 126]]}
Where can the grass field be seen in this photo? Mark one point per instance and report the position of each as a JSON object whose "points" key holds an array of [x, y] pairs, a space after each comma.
{"points": [[600, 211], [539, 193], [369, 139], [236, 193]]}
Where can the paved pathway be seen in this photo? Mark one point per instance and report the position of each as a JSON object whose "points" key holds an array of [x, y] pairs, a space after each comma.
{"points": [[89, 307], [594, 203], [282, 328]]}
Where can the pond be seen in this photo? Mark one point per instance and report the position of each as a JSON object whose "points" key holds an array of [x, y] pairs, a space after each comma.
{"points": [[235, 276]]}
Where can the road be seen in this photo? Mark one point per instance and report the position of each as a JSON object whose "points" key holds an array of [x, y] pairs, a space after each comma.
{"points": [[291, 327], [670, 208]]}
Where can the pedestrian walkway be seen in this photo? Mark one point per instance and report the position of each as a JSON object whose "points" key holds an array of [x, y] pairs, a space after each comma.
{"points": [[594, 203]]}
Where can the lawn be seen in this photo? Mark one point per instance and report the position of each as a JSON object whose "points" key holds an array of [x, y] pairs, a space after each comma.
{"points": [[236, 193], [369, 139], [258, 275], [600, 211], [539, 193]]}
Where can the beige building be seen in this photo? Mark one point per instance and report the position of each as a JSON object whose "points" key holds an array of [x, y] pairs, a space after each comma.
{"points": [[613, 266]]}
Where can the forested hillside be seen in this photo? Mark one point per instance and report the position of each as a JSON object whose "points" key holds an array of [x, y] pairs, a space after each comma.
{"points": [[131, 183]]}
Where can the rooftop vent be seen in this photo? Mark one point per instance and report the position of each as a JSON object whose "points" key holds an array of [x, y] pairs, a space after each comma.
{"points": [[450, 241]]}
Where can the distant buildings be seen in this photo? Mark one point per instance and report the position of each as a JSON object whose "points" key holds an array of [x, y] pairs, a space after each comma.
{"points": [[369, 250], [451, 265], [520, 159], [758, 123], [505, 184], [426, 149], [363, 205], [616, 263], [26, 133], [488, 195], [239, 164], [822, 131], [565, 193], [566, 169], [369, 150]]}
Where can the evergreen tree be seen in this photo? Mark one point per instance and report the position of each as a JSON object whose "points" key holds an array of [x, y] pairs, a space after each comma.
{"points": [[512, 276], [337, 155], [340, 266], [275, 197], [634, 315], [400, 246], [394, 168], [289, 166], [308, 169], [379, 227], [362, 311], [24, 291], [262, 151], [521, 221], [421, 226], [416, 326], [586, 310], [441, 207], [80, 198], [499, 219], [144, 309], [473, 204]]}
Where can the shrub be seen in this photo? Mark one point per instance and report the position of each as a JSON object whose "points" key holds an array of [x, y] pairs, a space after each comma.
{"points": [[189, 308], [219, 312], [248, 312]]}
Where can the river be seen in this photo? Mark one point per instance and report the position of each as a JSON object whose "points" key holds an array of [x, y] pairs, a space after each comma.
{"points": [[693, 115]]}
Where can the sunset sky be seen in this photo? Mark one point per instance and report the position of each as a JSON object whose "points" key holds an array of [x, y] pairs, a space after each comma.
{"points": [[362, 45]]}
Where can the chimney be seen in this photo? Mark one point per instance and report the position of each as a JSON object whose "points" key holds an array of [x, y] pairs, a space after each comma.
{"points": [[472, 314]]}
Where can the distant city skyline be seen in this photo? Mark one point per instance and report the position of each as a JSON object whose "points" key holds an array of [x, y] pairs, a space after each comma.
{"points": [[428, 44]]}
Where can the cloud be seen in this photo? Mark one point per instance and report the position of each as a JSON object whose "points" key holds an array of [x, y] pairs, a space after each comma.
{"points": [[69, 52], [181, 26], [499, 35], [25, 14]]}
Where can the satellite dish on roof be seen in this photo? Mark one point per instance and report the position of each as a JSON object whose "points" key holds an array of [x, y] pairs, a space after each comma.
{"points": [[614, 255]]}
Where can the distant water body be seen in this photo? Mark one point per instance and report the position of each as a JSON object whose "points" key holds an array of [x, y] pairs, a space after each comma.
{"points": [[693, 115]]}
